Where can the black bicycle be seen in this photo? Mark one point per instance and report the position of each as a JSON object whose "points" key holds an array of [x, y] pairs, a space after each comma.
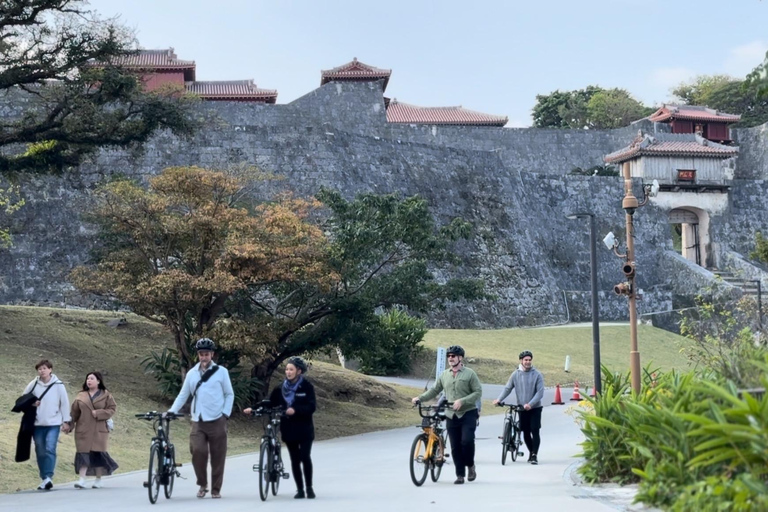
{"points": [[511, 438], [428, 448], [162, 455], [270, 466]]}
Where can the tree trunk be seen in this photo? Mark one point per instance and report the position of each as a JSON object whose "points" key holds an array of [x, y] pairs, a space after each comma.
{"points": [[263, 371]]}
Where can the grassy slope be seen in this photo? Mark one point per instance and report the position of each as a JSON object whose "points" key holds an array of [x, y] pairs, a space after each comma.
{"points": [[493, 354], [80, 341]]}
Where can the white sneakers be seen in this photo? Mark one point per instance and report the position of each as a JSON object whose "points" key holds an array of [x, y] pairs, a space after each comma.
{"points": [[45, 485], [81, 484]]}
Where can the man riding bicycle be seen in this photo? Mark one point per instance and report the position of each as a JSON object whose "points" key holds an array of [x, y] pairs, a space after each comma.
{"points": [[462, 387], [528, 384]]}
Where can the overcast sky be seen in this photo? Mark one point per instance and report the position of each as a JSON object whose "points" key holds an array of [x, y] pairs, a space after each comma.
{"points": [[491, 56]]}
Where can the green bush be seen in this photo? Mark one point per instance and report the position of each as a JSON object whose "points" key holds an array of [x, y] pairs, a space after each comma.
{"points": [[396, 342]]}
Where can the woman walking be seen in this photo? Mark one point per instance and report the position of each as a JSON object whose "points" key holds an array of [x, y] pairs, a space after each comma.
{"points": [[297, 430], [91, 409], [52, 412]]}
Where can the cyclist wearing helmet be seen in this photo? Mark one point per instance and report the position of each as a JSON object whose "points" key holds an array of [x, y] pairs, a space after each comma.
{"points": [[528, 383], [297, 396], [462, 387], [212, 398]]}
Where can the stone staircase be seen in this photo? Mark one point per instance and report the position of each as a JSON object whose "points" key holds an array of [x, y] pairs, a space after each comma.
{"points": [[749, 286]]}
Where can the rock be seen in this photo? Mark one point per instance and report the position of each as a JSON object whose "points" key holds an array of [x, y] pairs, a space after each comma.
{"points": [[117, 322]]}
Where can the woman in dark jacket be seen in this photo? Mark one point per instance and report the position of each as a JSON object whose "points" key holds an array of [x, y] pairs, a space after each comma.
{"points": [[297, 396]]}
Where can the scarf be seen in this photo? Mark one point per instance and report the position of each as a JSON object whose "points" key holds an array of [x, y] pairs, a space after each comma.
{"points": [[289, 390]]}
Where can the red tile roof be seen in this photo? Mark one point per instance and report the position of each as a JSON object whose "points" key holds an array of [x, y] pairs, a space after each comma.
{"points": [[231, 90], [355, 71], [404, 113], [671, 144], [154, 59], [691, 113]]}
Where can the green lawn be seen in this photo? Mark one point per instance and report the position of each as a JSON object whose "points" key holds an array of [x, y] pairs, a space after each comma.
{"points": [[493, 353]]}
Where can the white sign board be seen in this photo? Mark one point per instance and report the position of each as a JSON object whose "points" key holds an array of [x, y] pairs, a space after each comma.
{"points": [[440, 364]]}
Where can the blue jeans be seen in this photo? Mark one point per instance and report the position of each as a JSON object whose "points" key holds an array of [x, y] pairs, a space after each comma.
{"points": [[46, 439]]}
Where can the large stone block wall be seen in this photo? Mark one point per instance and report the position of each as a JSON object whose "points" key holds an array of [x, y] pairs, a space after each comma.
{"points": [[512, 184]]}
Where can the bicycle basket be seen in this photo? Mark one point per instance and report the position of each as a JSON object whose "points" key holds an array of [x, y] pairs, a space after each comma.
{"points": [[425, 422]]}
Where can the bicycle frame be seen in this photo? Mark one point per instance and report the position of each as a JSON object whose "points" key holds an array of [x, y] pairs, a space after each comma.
{"points": [[431, 424]]}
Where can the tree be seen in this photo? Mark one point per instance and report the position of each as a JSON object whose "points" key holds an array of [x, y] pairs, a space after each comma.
{"points": [[589, 108], [699, 90], [180, 249], [614, 108], [757, 80], [385, 252], [47, 52]]}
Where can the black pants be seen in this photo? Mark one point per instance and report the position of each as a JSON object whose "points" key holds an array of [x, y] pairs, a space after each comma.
{"points": [[530, 423], [461, 432], [300, 456]]}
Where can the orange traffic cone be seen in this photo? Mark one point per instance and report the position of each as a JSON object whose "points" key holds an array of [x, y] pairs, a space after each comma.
{"points": [[576, 397], [558, 397]]}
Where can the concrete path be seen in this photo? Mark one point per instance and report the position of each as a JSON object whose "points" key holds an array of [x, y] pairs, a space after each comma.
{"points": [[365, 472]]}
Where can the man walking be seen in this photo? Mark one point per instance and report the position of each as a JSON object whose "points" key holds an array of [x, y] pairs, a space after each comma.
{"points": [[212, 398], [528, 384], [462, 387]]}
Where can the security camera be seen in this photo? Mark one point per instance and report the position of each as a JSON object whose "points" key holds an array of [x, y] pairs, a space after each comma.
{"points": [[610, 240]]}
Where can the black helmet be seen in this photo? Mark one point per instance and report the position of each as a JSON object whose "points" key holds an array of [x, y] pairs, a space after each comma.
{"points": [[299, 363], [526, 353], [205, 344], [455, 349]]}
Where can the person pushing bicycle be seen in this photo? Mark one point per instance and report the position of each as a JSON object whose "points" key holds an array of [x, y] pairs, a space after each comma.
{"points": [[528, 383], [462, 387], [212, 399]]}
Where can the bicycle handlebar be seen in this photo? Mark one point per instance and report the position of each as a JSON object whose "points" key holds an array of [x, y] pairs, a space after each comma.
{"points": [[432, 410], [516, 407], [151, 415], [267, 411]]}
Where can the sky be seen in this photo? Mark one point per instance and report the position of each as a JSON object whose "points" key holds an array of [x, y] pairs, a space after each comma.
{"points": [[490, 56]]}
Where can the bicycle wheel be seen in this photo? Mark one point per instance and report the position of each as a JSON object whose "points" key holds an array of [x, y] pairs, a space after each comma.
{"points": [[419, 463], [514, 443], [155, 470], [506, 443], [277, 471], [170, 470], [265, 460], [438, 459]]}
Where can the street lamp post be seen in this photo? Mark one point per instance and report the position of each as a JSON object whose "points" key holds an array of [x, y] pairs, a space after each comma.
{"points": [[595, 304]]}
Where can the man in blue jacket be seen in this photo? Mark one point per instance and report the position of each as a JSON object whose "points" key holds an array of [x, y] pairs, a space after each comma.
{"points": [[528, 384], [212, 398]]}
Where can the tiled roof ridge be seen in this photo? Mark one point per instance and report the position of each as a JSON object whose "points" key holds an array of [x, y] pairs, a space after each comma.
{"points": [[693, 112], [686, 144], [353, 64]]}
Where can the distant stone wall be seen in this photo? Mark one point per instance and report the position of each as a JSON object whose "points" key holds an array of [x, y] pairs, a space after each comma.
{"points": [[512, 184]]}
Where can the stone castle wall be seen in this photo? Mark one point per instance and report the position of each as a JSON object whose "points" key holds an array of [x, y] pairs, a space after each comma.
{"points": [[512, 184]]}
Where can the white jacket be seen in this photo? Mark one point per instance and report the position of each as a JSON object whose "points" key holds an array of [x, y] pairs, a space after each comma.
{"points": [[54, 407], [214, 397]]}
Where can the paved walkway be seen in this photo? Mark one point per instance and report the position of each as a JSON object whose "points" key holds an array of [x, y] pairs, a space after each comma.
{"points": [[365, 472]]}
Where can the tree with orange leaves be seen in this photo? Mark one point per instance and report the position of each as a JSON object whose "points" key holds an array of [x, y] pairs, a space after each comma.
{"points": [[180, 249]]}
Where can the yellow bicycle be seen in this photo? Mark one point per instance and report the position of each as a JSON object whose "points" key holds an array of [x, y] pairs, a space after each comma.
{"points": [[428, 448]]}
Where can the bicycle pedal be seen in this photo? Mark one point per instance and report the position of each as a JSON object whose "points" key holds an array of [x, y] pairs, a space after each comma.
{"points": [[178, 464], [286, 476], [256, 467], [145, 484], [447, 455]]}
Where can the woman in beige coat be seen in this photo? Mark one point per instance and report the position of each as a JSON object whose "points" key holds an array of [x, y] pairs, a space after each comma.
{"points": [[91, 409]]}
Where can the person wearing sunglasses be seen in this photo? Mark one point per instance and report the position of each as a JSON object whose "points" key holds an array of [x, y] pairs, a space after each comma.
{"points": [[462, 387]]}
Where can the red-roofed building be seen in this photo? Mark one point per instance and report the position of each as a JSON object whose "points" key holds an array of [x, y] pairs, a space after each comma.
{"points": [[707, 122], [398, 112], [355, 71], [162, 67]]}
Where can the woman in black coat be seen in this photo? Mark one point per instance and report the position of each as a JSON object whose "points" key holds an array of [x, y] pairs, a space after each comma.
{"points": [[297, 396]]}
